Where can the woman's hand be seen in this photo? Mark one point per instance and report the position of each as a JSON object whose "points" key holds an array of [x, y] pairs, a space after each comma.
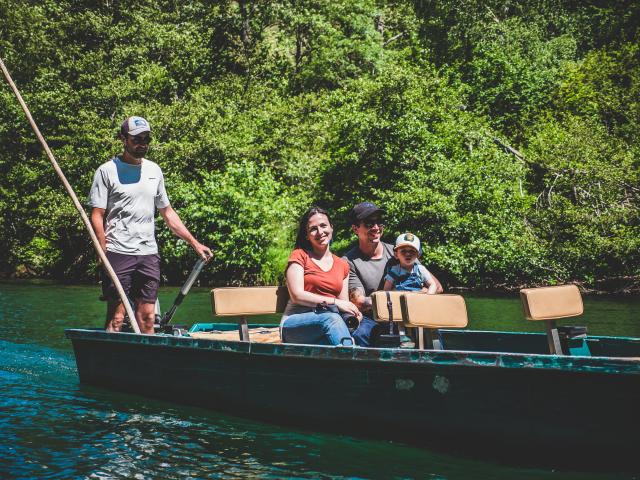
{"points": [[345, 305], [348, 307]]}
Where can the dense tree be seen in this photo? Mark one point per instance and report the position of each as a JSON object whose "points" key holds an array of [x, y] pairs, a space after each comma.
{"points": [[503, 133], [439, 173]]}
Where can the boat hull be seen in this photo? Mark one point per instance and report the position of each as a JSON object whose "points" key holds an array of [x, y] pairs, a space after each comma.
{"points": [[540, 407]]}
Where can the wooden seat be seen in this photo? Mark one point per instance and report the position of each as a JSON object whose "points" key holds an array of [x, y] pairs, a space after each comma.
{"points": [[380, 307], [549, 304], [257, 335], [248, 301], [428, 313]]}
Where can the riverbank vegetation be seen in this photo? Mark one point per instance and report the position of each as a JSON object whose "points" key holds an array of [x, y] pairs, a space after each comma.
{"points": [[503, 133]]}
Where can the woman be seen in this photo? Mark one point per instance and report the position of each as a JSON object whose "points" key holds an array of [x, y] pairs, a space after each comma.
{"points": [[318, 286]]}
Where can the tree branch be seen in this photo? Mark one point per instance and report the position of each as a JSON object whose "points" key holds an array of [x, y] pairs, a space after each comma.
{"points": [[394, 38]]}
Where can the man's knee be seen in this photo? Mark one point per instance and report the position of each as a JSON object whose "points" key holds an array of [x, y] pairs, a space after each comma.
{"points": [[146, 315], [362, 334], [115, 316]]}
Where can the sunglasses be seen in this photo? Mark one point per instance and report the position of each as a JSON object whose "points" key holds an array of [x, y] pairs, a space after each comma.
{"points": [[141, 140], [407, 251], [370, 223]]}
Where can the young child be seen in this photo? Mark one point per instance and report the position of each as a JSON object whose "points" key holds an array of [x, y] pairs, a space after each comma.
{"points": [[409, 275]]}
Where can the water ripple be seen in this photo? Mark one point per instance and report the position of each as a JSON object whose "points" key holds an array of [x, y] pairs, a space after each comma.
{"points": [[53, 428]]}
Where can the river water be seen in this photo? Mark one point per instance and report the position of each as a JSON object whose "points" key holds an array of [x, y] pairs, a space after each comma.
{"points": [[53, 427]]}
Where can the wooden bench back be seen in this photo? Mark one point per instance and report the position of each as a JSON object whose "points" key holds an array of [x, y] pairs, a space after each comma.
{"points": [[247, 301], [381, 309], [550, 303], [434, 311]]}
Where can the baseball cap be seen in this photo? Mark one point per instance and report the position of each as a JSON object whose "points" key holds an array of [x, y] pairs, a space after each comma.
{"points": [[363, 210], [407, 240], [134, 126]]}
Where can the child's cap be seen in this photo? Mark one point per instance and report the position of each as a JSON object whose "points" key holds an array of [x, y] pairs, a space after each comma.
{"points": [[408, 240]]}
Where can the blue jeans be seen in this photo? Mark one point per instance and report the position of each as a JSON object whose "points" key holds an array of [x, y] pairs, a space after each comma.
{"points": [[362, 334], [312, 328]]}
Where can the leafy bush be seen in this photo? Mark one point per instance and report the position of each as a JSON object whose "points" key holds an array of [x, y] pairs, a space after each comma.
{"points": [[260, 109], [243, 213], [588, 197], [437, 171]]}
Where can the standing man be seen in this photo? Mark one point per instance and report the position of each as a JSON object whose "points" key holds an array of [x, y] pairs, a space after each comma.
{"points": [[368, 264], [124, 195]]}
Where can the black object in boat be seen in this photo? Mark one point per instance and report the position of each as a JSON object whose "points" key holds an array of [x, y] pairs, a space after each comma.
{"points": [[163, 322]]}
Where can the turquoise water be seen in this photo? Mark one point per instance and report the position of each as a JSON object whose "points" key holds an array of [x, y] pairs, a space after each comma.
{"points": [[53, 427]]}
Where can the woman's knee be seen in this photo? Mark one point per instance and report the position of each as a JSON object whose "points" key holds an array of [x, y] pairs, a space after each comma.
{"points": [[335, 328], [331, 320]]}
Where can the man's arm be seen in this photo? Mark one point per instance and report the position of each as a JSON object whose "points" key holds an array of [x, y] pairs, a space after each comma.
{"points": [[97, 221], [356, 289], [174, 223], [358, 298]]}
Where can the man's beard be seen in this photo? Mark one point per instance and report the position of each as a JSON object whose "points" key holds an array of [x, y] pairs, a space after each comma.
{"points": [[132, 151]]}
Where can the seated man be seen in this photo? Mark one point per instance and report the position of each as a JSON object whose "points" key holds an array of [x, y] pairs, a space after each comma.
{"points": [[369, 262]]}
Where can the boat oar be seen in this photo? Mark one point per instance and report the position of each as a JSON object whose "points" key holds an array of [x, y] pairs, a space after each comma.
{"points": [[73, 196], [197, 268]]}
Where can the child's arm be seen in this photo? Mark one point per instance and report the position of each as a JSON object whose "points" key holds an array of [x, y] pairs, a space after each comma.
{"points": [[430, 287], [389, 283]]}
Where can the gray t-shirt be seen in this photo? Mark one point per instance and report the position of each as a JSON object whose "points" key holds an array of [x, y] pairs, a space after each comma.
{"points": [[366, 273], [129, 194]]}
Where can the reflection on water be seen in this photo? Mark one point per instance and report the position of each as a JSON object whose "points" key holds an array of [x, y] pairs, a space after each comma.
{"points": [[52, 427], [603, 315]]}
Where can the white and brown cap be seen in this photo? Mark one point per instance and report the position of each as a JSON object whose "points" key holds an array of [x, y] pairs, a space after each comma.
{"points": [[134, 126], [408, 240]]}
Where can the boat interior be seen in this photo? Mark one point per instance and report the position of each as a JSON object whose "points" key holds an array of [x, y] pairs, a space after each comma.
{"points": [[432, 322]]}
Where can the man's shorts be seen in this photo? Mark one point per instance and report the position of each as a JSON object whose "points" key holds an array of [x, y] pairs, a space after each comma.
{"points": [[138, 274]]}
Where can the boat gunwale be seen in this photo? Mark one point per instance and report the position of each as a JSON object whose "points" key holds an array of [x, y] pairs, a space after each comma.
{"points": [[454, 358]]}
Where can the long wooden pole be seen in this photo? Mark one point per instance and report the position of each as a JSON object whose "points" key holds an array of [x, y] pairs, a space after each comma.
{"points": [[83, 214]]}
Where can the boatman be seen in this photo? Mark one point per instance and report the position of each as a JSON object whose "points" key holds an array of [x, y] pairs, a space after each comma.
{"points": [[369, 262], [124, 195]]}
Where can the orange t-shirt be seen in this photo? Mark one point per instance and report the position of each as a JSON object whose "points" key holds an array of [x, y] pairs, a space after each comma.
{"points": [[317, 280]]}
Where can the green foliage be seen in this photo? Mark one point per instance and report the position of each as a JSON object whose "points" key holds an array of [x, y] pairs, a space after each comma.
{"points": [[243, 212], [261, 108], [438, 173], [605, 86], [587, 210], [512, 71], [333, 42]]}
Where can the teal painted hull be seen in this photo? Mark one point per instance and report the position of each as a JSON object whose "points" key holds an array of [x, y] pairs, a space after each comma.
{"points": [[509, 406]]}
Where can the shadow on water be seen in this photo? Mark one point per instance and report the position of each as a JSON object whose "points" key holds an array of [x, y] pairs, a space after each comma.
{"points": [[52, 427]]}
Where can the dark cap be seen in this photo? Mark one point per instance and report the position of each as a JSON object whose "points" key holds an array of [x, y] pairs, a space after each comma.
{"points": [[363, 210]]}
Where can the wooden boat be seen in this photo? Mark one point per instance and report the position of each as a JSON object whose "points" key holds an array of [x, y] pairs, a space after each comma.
{"points": [[501, 394]]}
